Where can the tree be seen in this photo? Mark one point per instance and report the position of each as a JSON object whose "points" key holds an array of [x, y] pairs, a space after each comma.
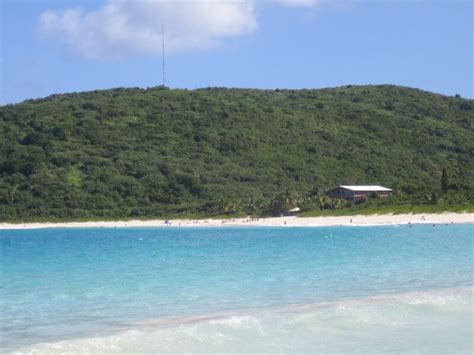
{"points": [[159, 152], [282, 203], [444, 181], [432, 198]]}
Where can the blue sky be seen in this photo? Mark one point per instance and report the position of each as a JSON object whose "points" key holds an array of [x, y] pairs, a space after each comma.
{"points": [[53, 46]]}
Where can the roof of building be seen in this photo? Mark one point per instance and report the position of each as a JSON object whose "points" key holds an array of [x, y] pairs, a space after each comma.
{"points": [[365, 188]]}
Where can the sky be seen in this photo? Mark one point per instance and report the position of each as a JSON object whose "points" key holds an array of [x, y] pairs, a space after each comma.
{"points": [[59, 46]]}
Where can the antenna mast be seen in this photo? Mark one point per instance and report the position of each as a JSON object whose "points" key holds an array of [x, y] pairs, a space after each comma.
{"points": [[163, 52]]}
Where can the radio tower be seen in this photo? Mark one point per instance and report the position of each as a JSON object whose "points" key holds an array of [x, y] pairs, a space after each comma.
{"points": [[163, 53]]}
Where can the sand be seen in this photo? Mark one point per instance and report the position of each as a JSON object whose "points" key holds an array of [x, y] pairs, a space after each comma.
{"points": [[358, 220]]}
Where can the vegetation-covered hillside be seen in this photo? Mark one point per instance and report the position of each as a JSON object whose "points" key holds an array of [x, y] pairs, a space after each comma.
{"points": [[159, 152]]}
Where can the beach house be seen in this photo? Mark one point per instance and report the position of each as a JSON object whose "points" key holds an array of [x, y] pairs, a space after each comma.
{"points": [[357, 192]]}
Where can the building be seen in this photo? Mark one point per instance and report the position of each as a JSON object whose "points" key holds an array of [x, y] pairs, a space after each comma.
{"points": [[357, 192]]}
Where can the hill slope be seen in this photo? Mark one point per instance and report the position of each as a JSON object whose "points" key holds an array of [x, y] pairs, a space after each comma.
{"points": [[135, 152]]}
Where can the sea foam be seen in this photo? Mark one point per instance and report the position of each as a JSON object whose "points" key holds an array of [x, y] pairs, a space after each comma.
{"points": [[430, 322]]}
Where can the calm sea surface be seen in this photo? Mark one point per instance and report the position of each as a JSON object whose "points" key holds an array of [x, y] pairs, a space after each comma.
{"points": [[327, 290]]}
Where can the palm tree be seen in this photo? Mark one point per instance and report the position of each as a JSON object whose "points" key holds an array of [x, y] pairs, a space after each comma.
{"points": [[324, 202], [283, 202]]}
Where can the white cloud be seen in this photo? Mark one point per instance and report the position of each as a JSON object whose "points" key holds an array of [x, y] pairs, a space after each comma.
{"points": [[296, 2], [127, 27]]}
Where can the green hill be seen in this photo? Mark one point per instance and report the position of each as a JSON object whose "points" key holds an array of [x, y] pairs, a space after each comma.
{"points": [[160, 152]]}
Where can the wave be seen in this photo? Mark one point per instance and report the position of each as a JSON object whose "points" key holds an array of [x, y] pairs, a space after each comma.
{"points": [[436, 322]]}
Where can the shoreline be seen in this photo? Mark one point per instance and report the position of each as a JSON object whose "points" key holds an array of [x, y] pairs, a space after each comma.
{"points": [[292, 221], [232, 318]]}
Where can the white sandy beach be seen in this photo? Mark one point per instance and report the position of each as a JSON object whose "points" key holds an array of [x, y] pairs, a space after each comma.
{"points": [[357, 220]]}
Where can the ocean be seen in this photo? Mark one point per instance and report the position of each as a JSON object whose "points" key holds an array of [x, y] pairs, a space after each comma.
{"points": [[336, 290]]}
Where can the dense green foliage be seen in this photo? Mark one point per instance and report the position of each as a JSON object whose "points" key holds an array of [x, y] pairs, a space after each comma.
{"points": [[160, 152]]}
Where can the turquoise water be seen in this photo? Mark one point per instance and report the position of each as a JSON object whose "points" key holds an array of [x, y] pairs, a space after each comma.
{"points": [[333, 289]]}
